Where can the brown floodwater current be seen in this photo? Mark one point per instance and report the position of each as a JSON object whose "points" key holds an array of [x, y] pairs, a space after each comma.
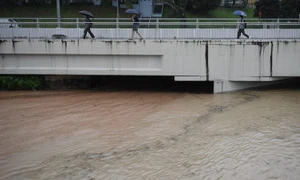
{"points": [[128, 134]]}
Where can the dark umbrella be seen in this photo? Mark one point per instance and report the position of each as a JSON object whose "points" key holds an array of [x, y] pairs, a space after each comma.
{"points": [[240, 13], [132, 11], [86, 13]]}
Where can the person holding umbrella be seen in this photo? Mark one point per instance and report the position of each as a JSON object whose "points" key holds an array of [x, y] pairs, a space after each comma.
{"points": [[242, 24], [88, 23], [135, 21]]}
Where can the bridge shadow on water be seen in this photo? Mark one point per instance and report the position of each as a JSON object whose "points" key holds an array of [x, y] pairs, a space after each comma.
{"points": [[287, 84], [167, 84], [149, 83]]}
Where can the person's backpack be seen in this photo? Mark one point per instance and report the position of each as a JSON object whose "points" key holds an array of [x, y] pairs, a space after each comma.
{"points": [[90, 24], [243, 23]]}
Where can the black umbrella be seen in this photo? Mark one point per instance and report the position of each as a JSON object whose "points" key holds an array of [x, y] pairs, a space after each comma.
{"points": [[86, 13], [132, 11]]}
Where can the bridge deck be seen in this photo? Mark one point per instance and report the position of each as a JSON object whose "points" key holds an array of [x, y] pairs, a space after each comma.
{"points": [[185, 60]]}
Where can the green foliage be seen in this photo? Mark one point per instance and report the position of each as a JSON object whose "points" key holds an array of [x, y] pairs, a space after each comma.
{"points": [[105, 10], [202, 6], [235, 3], [290, 8], [228, 12], [129, 4], [269, 8], [22, 82], [21, 2], [177, 6]]}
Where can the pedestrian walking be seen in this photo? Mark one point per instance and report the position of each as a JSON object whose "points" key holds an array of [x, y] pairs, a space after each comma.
{"points": [[242, 27], [260, 14], [87, 27], [135, 27]]}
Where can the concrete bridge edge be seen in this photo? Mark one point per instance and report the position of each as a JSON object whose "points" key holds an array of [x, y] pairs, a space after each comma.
{"points": [[221, 86]]}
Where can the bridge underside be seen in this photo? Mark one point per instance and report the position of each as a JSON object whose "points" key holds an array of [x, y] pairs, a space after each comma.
{"points": [[230, 64]]}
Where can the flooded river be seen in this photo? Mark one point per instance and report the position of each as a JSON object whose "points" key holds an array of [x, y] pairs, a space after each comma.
{"points": [[127, 134]]}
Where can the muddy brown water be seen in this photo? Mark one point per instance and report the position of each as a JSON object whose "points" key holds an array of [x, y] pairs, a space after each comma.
{"points": [[251, 134]]}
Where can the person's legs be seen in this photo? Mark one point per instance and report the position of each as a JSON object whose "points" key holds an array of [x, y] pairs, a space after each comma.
{"points": [[239, 33], [132, 34], [243, 31], [135, 29], [84, 33], [90, 32], [138, 33]]}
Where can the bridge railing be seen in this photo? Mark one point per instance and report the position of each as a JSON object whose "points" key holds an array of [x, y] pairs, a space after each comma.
{"points": [[154, 28], [156, 22]]}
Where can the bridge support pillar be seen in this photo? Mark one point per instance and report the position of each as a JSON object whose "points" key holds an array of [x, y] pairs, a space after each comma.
{"points": [[225, 86]]}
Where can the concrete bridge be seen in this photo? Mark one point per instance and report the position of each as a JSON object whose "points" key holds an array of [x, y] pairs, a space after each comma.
{"points": [[230, 64]]}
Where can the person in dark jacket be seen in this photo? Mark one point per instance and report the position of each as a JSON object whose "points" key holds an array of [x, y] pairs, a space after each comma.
{"points": [[242, 26], [87, 27], [135, 27]]}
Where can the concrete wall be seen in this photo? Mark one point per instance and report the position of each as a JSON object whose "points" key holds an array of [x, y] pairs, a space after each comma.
{"points": [[286, 58], [186, 60], [102, 57]]}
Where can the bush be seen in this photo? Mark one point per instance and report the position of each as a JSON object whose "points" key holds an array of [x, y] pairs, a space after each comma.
{"points": [[290, 8], [22, 82], [202, 6], [269, 8]]}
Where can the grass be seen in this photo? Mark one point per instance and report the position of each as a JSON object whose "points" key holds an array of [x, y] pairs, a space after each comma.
{"points": [[217, 13], [227, 12], [105, 10]]}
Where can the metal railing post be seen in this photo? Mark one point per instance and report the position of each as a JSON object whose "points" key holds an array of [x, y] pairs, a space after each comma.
{"points": [[117, 27], [58, 12], [197, 23], [77, 23], [157, 27], [117, 23], [37, 22]]}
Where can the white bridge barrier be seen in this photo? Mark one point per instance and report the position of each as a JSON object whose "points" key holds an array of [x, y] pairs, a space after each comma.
{"points": [[150, 33]]}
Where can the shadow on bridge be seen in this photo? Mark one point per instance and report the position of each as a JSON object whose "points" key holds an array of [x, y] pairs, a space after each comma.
{"points": [[147, 83]]}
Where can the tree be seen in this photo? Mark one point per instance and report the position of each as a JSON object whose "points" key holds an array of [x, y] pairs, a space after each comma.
{"points": [[269, 8], [203, 6], [178, 7], [290, 8], [7, 2]]}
